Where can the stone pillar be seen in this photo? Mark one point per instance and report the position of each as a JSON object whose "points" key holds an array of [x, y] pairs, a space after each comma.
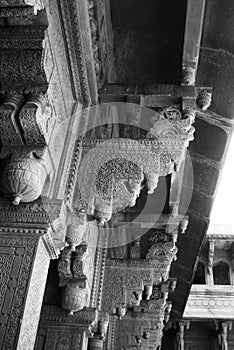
{"points": [[25, 254], [26, 247]]}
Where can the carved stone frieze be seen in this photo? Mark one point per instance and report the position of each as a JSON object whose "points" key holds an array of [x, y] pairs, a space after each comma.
{"points": [[43, 212], [87, 317], [21, 60]]}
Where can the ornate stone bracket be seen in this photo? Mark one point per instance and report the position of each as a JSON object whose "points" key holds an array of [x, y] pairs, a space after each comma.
{"points": [[72, 277], [111, 173], [25, 129]]}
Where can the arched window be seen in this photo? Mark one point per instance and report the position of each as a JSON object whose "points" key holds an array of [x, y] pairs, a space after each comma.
{"points": [[221, 273], [199, 277]]}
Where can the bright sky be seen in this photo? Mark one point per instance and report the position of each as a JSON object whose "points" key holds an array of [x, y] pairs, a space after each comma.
{"points": [[223, 208]]}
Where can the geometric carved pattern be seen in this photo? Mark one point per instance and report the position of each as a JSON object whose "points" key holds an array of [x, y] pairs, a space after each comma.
{"points": [[5, 269], [63, 338], [22, 252]]}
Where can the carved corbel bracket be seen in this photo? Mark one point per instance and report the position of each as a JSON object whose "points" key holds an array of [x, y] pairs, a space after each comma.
{"points": [[72, 277], [119, 166], [25, 127]]}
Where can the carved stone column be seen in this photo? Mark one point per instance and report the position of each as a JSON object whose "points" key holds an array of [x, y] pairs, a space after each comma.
{"points": [[26, 247]]}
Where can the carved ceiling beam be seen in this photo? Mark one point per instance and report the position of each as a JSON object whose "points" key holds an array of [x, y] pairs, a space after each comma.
{"points": [[192, 38], [156, 95]]}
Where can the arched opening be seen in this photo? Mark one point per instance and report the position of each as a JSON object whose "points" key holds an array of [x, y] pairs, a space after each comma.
{"points": [[221, 273]]}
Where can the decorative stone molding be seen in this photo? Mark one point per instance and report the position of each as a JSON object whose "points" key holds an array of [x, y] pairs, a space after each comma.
{"points": [[74, 41], [43, 212], [87, 317]]}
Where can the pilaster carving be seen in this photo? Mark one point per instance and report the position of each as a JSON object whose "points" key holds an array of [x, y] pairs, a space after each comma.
{"points": [[23, 255]]}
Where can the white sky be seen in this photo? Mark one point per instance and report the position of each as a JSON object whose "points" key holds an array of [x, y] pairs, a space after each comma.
{"points": [[223, 207]]}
